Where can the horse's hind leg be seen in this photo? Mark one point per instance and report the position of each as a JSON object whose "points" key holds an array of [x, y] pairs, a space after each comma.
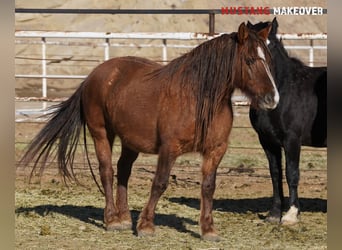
{"points": [[166, 159], [103, 141], [124, 167]]}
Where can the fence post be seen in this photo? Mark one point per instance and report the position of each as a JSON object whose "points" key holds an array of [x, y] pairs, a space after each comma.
{"points": [[211, 23], [44, 87], [164, 51], [106, 49], [311, 54]]}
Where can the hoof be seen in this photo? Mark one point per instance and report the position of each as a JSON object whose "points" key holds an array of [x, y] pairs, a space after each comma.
{"points": [[146, 232], [145, 228], [272, 219], [214, 237], [291, 222], [126, 225], [291, 217], [119, 226]]}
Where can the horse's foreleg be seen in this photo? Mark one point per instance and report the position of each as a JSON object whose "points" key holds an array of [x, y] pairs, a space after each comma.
{"points": [[124, 167], [273, 154], [292, 154], [211, 161], [160, 182]]}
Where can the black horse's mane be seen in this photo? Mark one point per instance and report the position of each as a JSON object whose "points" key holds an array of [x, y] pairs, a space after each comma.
{"points": [[207, 72], [277, 46]]}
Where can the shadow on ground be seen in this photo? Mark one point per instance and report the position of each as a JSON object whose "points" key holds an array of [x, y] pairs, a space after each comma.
{"points": [[254, 205], [94, 216]]}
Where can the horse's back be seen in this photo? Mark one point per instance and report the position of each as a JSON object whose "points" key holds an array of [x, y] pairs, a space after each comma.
{"points": [[120, 96], [115, 73], [314, 109]]}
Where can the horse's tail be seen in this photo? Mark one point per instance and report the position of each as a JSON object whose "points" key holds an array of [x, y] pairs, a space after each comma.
{"points": [[59, 138]]}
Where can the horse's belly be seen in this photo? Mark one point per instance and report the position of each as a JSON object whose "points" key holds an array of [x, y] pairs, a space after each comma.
{"points": [[140, 145], [140, 142], [138, 131]]}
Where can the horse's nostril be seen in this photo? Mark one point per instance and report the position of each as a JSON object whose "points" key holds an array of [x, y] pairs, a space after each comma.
{"points": [[269, 101]]}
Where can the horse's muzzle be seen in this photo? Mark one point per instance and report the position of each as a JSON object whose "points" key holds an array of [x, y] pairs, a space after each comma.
{"points": [[269, 101]]}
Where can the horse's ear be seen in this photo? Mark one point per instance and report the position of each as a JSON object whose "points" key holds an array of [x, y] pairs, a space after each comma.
{"points": [[274, 26], [265, 32], [249, 25], [242, 33]]}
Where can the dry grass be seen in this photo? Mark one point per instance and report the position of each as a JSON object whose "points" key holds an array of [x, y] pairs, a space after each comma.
{"points": [[50, 215]]}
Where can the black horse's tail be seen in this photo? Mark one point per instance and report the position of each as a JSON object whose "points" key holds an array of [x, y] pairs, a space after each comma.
{"points": [[59, 138]]}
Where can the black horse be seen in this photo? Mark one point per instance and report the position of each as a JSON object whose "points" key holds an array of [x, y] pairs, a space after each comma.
{"points": [[299, 119]]}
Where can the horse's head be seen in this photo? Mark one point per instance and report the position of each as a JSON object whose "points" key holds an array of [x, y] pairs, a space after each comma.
{"points": [[274, 44], [253, 67], [272, 36]]}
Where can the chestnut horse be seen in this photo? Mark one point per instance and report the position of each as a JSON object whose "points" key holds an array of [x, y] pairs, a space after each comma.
{"points": [[169, 110]]}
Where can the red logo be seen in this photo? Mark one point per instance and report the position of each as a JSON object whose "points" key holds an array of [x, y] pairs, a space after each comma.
{"points": [[240, 10]]}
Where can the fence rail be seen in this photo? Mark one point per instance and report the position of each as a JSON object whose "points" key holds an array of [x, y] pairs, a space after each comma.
{"points": [[66, 38]]}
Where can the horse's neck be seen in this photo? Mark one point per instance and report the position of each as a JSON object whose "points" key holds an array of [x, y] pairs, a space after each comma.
{"points": [[285, 66], [280, 54]]}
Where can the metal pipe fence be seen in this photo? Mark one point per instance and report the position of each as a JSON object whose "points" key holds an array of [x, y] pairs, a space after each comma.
{"points": [[48, 38]]}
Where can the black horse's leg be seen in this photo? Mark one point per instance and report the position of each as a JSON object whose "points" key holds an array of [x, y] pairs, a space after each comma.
{"points": [[124, 168], [273, 154], [160, 182], [292, 148], [211, 160]]}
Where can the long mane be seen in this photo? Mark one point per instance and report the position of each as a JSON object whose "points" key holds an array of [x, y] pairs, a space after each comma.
{"points": [[277, 46], [207, 73]]}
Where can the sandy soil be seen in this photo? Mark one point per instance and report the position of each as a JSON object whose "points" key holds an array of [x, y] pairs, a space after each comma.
{"points": [[50, 215]]}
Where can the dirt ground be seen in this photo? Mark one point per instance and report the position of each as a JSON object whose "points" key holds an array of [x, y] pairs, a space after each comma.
{"points": [[51, 215]]}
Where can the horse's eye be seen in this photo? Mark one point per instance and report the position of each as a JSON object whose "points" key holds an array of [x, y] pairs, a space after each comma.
{"points": [[249, 61]]}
